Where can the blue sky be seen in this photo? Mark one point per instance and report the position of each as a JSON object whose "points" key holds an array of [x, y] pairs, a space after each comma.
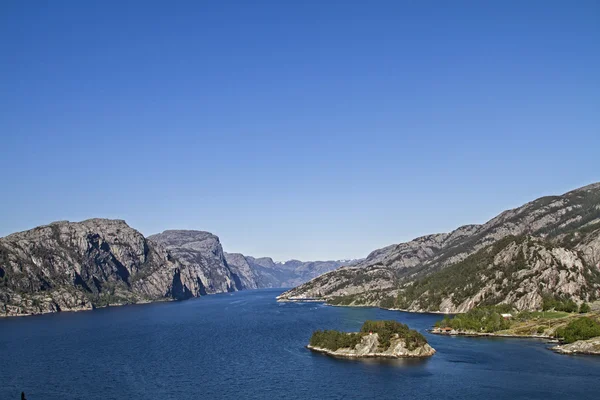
{"points": [[310, 130]]}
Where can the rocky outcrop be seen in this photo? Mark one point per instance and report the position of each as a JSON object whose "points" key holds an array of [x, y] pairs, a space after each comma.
{"points": [[550, 244], [590, 346], [369, 346]]}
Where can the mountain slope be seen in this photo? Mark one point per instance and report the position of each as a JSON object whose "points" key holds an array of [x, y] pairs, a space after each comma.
{"points": [[566, 227]]}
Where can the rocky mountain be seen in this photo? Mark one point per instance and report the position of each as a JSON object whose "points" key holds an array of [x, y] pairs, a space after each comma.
{"points": [[99, 262], [550, 246], [222, 271], [202, 252], [72, 266]]}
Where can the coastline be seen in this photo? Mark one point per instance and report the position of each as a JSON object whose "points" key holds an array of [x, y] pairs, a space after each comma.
{"points": [[490, 334], [348, 355], [83, 309], [324, 301], [343, 354]]}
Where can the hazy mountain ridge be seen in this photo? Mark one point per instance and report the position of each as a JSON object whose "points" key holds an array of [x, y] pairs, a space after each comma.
{"points": [[567, 227], [284, 274]]}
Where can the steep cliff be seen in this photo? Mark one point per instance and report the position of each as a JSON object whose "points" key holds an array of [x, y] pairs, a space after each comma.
{"points": [[549, 245], [70, 266], [202, 255]]}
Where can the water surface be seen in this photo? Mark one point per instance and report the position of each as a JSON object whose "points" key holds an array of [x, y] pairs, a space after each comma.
{"points": [[245, 345]]}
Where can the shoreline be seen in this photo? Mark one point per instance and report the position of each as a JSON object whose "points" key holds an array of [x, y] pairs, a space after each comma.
{"points": [[492, 334], [324, 301], [335, 353], [75, 310]]}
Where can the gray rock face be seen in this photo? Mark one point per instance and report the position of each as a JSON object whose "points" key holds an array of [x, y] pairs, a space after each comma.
{"points": [[564, 259], [202, 255], [71, 266], [239, 265]]}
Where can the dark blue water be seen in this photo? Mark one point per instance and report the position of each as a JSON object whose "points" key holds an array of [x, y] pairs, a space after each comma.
{"points": [[247, 346]]}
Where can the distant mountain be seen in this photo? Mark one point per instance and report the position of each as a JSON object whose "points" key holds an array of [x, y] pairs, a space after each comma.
{"points": [[548, 247], [284, 274], [99, 262]]}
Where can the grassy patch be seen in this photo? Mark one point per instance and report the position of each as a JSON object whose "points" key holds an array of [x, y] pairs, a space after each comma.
{"points": [[526, 315]]}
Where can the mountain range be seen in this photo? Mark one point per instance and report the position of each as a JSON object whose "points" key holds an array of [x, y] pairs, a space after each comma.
{"points": [[549, 247], [100, 262]]}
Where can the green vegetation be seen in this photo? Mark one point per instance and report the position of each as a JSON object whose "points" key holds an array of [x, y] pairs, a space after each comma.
{"points": [[386, 330], [558, 304], [480, 319], [541, 329], [529, 315], [559, 324], [580, 329], [334, 340], [584, 308], [341, 300]]}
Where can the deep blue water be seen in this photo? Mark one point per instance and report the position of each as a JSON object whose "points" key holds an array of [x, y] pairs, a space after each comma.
{"points": [[246, 346]]}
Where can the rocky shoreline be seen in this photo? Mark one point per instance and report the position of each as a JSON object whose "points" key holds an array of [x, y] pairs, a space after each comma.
{"points": [[281, 299], [590, 347], [348, 354], [284, 300], [82, 309], [437, 331]]}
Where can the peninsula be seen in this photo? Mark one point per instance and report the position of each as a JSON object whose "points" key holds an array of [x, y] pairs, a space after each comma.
{"points": [[577, 332]]}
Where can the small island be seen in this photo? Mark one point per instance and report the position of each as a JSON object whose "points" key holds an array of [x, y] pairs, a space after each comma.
{"points": [[385, 339]]}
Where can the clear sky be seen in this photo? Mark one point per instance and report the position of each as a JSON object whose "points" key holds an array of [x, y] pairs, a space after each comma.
{"points": [[294, 129]]}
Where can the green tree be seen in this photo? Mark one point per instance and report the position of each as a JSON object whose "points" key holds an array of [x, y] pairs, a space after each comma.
{"points": [[581, 329], [584, 308]]}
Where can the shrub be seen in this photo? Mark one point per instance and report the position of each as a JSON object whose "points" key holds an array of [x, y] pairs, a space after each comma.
{"points": [[584, 308], [387, 329], [334, 340], [581, 329], [541, 329], [479, 319]]}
